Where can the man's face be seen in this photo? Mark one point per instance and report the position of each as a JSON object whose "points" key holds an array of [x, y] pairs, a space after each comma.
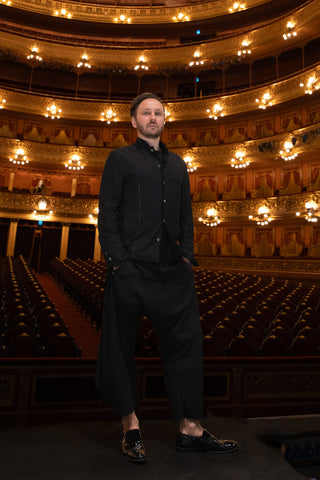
{"points": [[149, 119]]}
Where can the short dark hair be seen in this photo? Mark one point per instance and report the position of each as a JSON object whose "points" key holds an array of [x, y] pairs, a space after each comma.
{"points": [[136, 101]]}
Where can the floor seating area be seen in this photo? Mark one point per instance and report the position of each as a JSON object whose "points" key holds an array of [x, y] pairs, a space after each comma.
{"points": [[30, 325], [241, 315]]}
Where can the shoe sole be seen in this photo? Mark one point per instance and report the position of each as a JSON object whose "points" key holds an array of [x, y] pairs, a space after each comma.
{"points": [[200, 450], [137, 461]]}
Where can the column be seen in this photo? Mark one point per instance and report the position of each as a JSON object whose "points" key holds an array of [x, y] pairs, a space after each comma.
{"points": [[64, 242], [11, 179], [74, 187], [12, 237], [97, 247]]}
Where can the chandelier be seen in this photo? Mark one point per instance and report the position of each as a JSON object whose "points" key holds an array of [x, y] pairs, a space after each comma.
{"points": [[2, 103], [237, 7], [20, 158], [188, 160], [239, 161], [53, 111], [290, 31], [216, 112], [34, 55], [122, 19], [195, 62], [265, 102], [310, 212], [181, 17], [142, 64], [262, 218], [74, 163], [287, 153], [244, 51], [211, 220], [312, 85], [84, 62], [62, 13], [108, 115], [6, 2]]}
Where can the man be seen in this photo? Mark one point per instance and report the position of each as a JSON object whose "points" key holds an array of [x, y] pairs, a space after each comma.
{"points": [[146, 235]]}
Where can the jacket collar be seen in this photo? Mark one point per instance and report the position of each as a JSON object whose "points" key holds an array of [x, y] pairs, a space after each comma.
{"points": [[145, 146]]}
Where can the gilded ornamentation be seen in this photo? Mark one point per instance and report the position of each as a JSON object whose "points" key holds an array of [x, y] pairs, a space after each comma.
{"points": [[282, 384], [284, 90], [5, 390], [138, 14], [169, 57]]}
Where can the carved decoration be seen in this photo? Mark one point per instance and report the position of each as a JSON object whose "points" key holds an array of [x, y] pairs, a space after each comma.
{"points": [[138, 13], [280, 385], [6, 390]]}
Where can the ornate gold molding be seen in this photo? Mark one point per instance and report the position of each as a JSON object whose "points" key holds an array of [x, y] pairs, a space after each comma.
{"points": [[242, 101], [264, 40], [283, 207], [64, 209], [212, 158], [91, 12], [236, 211], [304, 268]]}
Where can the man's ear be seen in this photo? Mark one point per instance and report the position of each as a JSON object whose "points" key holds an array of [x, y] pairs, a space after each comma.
{"points": [[133, 122]]}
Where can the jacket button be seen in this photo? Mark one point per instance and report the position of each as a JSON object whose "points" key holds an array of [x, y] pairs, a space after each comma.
{"points": [[158, 239], [164, 201]]}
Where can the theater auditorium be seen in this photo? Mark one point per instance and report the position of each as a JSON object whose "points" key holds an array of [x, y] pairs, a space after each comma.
{"points": [[240, 83]]}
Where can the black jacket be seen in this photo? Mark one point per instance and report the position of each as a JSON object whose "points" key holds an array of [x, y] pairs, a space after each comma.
{"points": [[144, 194]]}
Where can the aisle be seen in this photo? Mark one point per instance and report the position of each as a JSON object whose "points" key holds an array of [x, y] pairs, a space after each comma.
{"points": [[79, 326]]}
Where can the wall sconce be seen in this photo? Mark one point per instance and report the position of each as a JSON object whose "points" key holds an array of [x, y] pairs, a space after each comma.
{"points": [[84, 62], [74, 163], [94, 216], [190, 167], [239, 161], [34, 55], [212, 219], [2, 103], [122, 19], [237, 7], [310, 212], [62, 13], [20, 158], [290, 31], [142, 64], [196, 63], [53, 111], [108, 116], [244, 51], [216, 111], [312, 85], [265, 102], [181, 17], [43, 211], [287, 153], [262, 218], [167, 115]]}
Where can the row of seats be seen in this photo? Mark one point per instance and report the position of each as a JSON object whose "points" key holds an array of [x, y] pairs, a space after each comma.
{"points": [[241, 315], [30, 325]]}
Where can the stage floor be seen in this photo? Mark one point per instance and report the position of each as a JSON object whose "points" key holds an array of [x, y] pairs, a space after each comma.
{"points": [[90, 451]]}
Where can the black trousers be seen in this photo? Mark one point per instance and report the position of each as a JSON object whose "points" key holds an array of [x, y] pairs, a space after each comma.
{"points": [[167, 296]]}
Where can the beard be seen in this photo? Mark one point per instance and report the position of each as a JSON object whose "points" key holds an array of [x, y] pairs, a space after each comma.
{"points": [[148, 132]]}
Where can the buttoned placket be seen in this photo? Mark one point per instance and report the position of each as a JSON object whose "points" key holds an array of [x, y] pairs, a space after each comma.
{"points": [[160, 165]]}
